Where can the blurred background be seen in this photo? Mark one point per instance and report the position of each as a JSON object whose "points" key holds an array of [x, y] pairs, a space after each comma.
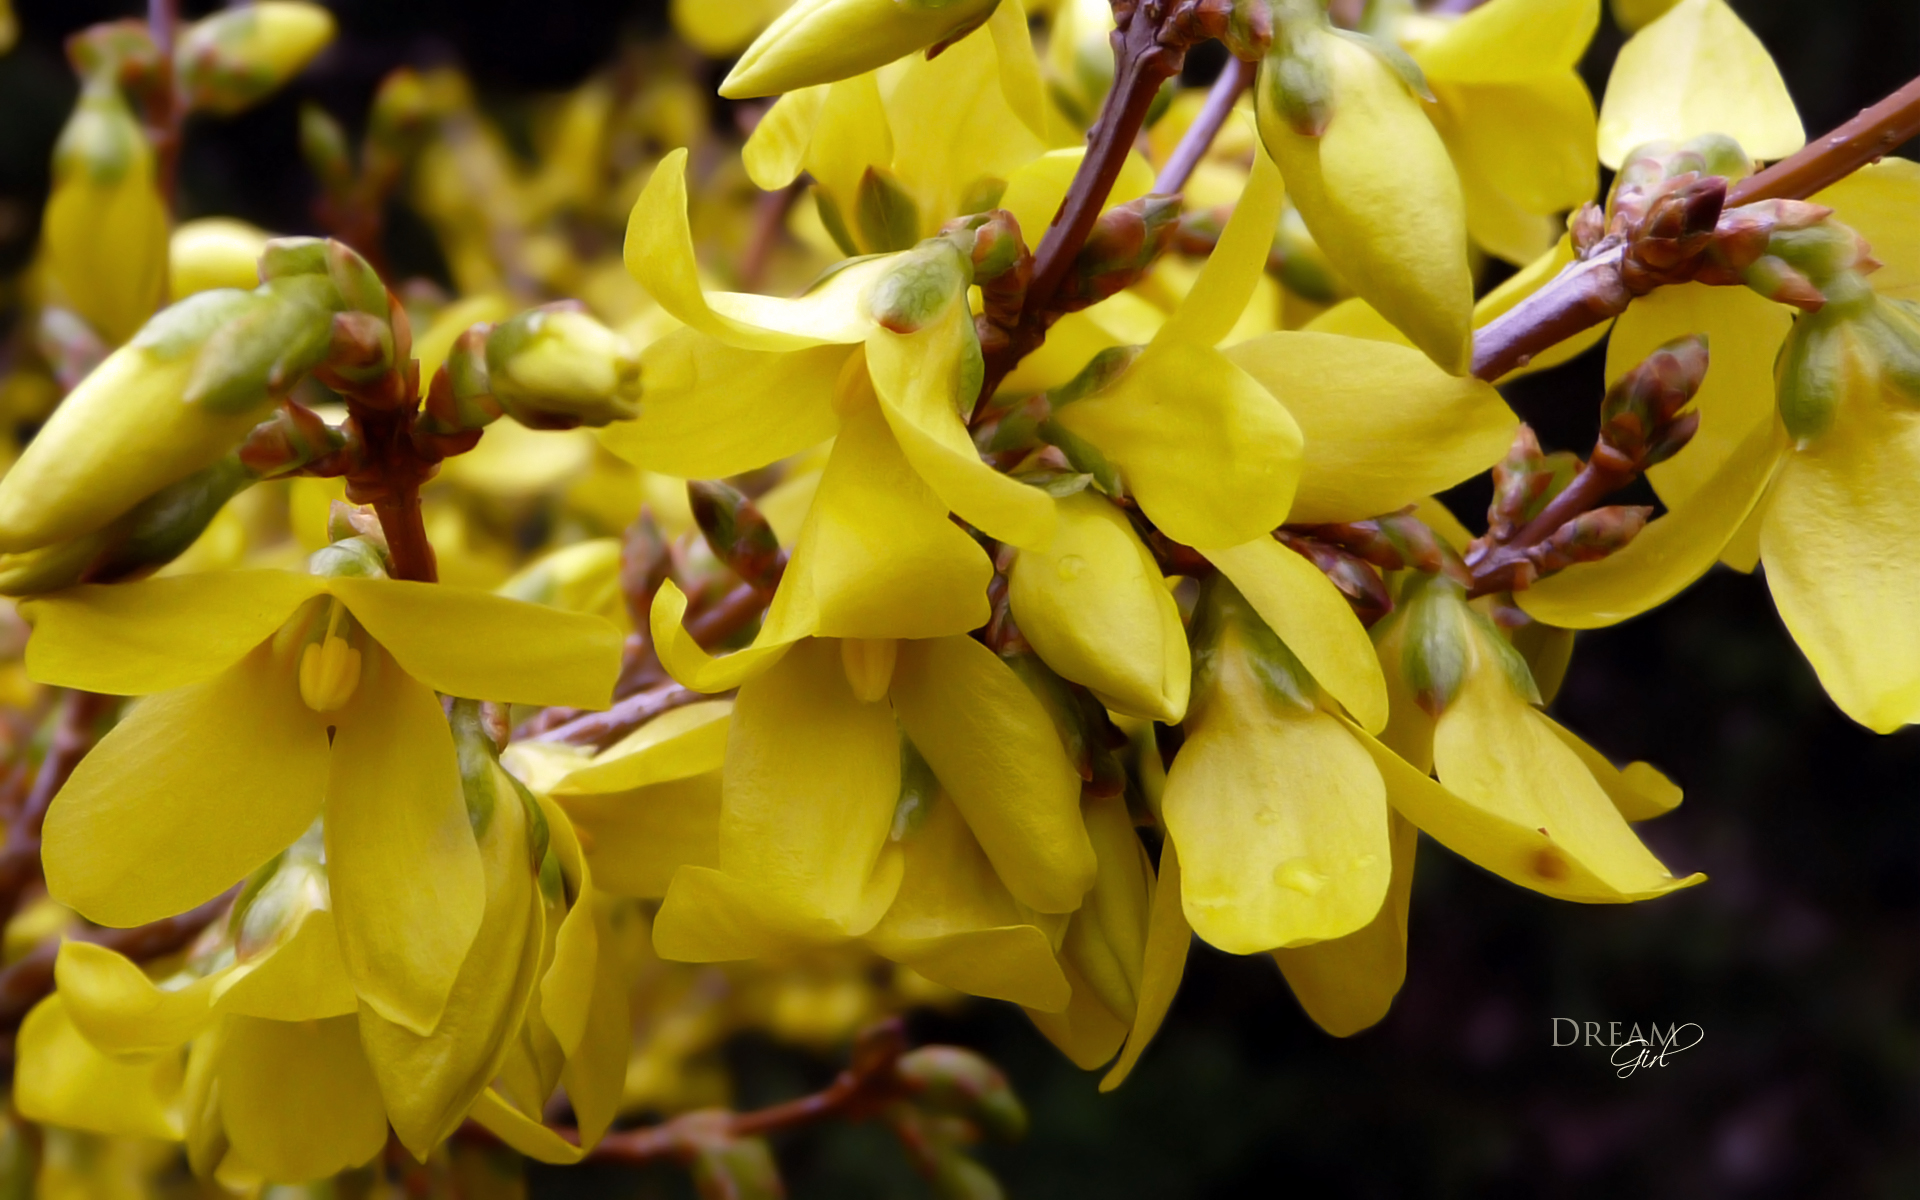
{"points": [[1799, 960]]}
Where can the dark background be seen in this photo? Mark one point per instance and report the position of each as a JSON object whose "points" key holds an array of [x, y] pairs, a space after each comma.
{"points": [[1800, 959]]}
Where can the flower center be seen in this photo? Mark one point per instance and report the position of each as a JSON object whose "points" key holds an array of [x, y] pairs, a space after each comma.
{"points": [[330, 667]]}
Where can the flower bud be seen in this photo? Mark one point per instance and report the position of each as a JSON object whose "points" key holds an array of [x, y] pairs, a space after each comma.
{"points": [[1434, 654], [820, 41], [1640, 418], [128, 430], [105, 232], [737, 531], [1525, 482], [920, 285], [1125, 241], [237, 57], [281, 331], [958, 1082], [557, 368], [1810, 374], [460, 398], [215, 252], [885, 213]]}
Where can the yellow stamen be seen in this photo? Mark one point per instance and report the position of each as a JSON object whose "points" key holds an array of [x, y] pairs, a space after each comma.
{"points": [[329, 668]]}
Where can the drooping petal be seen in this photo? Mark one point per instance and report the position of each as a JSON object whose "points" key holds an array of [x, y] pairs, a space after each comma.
{"points": [[297, 1097], [994, 750], [1019, 67], [301, 979], [596, 1071], [776, 151], [1352, 399], [1208, 452], [1530, 143], [812, 775], [1281, 821], [1314, 620], [659, 253], [63, 1079], [152, 635], [193, 791], [883, 558], [1842, 564], [919, 378], [114, 1005], [1698, 69], [522, 1133], [1236, 264], [1086, 1032], [1510, 41], [713, 410], [1095, 607], [955, 922], [566, 988], [1493, 750], [1347, 984], [1638, 790], [1106, 938], [792, 616], [404, 868], [1169, 937]]}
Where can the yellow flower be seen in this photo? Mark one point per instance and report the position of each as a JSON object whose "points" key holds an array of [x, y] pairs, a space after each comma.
{"points": [[214, 252], [1514, 115], [234, 59], [719, 30], [896, 152], [276, 697], [105, 230]]}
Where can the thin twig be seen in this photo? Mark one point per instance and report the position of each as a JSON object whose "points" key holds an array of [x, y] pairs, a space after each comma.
{"points": [[72, 738], [1587, 292], [1493, 564], [769, 216], [629, 714], [1234, 79]]}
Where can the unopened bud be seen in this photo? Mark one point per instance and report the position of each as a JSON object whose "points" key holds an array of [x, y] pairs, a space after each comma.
{"points": [[725, 1167], [920, 285], [1434, 653], [120, 52], [1524, 482], [460, 398], [105, 231], [265, 346], [737, 531], [1296, 83], [1395, 542], [215, 252], [557, 368], [288, 440], [821, 41], [885, 213], [1640, 417], [1591, 536], [238, 56], [1125, 241], [1363, 588], [957, 1082], [1811, 374]]}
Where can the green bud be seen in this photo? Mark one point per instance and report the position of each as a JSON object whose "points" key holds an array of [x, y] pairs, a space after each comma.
{"points": [[293, 256], [920, 285], [1224, 623], [323, 143], [556, 367], [919, 791], [887, 214], [1099, 374], [1125, 242], [1435, 655], [1810, 373], [835, 222], [1297, 79], [160, 528], [961, 1083], [737, 531], [265, 351], [360, 286], [288, 440], [460, 396], [1084, 456], [736, 1169], [356, 556]]}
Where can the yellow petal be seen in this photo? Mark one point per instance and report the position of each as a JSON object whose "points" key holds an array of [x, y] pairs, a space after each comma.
{"points": [[566, 989], [408, 886], [791, 616], [955, 922], [659, 253], [1713, 484], [1698, 69], [883, 558], [129, 639], [1208, 452], [1095, 607], [817, 41], [1499, 224], [1353, 399], [62, 1079], [918, 378], [1494, 750], [1168, 939], [1034, 192], [596, 1071], [297, 1097], [301, 979], [1314, 620], [466, 642], [194, 790], [644, 815], [776, 150], [1019, 72], [1106, 940], [429, 1081], [1281, 822], [713, 410], [1236, 264], [1529, 144], [812, 775], [1346, 985], [115, 1006], [850, 135], [528, 1136], [1638, 790], [1509, 41], [1086, 1032], [1841, 563], [995, 751], [1379, 193]]}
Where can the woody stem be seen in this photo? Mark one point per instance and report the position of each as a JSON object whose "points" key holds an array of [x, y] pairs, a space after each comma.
{"points": [[1585, 293], [1235, 78]]}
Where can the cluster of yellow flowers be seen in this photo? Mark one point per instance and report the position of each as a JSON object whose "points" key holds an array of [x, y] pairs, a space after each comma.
{"points": [[1030, 634]]}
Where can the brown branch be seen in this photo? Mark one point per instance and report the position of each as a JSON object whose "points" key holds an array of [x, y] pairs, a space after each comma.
{"points": [[1493, 565], [164, 110], [769, 217], [1594, 289], [72, 738], [629, 714], [26, 982], [1234, 79]]}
